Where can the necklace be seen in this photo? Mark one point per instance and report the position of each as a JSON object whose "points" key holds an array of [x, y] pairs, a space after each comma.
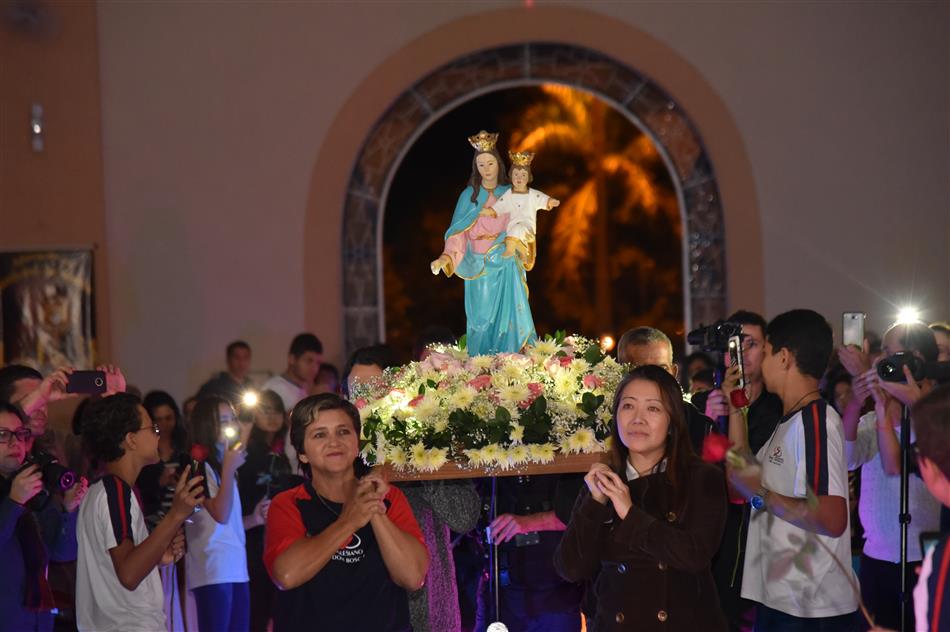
{"points": [[324, 503], [794, 408]]}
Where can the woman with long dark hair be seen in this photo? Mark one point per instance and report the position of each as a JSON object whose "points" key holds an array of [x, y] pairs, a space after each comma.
{"points": [[216, 562], [265, 474], [650, 522], [343, 547], [156, 483]]}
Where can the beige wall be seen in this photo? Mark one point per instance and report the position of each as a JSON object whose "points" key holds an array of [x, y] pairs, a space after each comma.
{"points": [[216, 115], [54, 199]]}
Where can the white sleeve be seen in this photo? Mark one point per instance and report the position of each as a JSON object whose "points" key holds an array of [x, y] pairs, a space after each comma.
{"points": [[864, 447], [921, 596], [539, 200]]}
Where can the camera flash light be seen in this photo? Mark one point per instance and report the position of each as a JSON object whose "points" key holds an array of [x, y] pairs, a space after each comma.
{"points": [[907, 315], [230, 432], [250, 399], [607, 343]]}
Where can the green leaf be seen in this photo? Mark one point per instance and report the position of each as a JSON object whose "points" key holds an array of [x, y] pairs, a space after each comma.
{"points": [[594, 355], [463, 342], [422, 389], [432, 384]]}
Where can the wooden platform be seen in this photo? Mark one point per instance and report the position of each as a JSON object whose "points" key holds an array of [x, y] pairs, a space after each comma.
{"points": [[562, 464]]}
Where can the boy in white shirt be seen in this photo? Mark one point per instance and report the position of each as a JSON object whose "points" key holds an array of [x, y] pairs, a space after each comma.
{"points": [[798, 553], [117, 581]]}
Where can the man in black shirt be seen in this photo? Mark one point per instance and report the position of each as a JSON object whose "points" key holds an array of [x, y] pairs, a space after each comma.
{"points": [[231, 384], [765, 410]]}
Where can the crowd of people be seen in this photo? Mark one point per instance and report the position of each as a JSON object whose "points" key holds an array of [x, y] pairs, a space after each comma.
{"points": [[227, 514]]}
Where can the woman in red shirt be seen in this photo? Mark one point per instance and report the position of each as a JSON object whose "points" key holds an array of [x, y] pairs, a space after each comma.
{"points": [[343, 548]]}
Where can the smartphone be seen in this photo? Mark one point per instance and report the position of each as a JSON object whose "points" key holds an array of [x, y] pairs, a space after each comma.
{"points": [[735, 358], [852, 328], [86, 382], [230, 435]]}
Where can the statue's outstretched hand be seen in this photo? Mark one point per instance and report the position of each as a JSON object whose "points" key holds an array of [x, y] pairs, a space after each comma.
{"points": [[437, 265], [552, 203]]}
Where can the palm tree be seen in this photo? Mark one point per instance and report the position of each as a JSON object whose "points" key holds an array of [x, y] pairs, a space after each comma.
{"points": [[576, 123]]}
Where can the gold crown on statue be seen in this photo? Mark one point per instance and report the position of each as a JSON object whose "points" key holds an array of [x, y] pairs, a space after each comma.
{"points": [[483, 141], [521, 158]]}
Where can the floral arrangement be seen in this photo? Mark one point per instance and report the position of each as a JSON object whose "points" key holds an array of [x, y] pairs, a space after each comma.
{"points": [[496, 411]]}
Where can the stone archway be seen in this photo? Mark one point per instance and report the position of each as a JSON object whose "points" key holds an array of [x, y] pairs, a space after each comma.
{"points": [[641, 99]]}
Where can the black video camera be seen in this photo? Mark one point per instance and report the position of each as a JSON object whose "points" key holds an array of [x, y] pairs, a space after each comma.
{"points": [[56, 478], [891, 368], [714, 337]]}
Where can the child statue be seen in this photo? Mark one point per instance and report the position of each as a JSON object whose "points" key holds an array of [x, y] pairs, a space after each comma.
{"points": [[522, 204]]}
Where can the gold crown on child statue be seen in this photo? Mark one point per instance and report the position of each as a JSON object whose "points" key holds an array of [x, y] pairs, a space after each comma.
{"points": [[483, 141], [521, 158]]}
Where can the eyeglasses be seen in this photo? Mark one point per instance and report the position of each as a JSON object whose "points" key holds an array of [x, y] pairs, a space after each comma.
{"points": [[154, 428], [20, 434]]}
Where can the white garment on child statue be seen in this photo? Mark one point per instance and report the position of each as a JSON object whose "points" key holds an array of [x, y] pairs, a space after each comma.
{"points": [[522, 210]]}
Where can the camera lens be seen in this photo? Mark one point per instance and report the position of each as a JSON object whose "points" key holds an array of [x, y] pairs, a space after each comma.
{"points": [[99, 381]]}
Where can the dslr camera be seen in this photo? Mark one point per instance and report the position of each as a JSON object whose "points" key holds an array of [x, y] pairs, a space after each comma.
{"points": [[891, 368], [56, 478], [715, 337]]}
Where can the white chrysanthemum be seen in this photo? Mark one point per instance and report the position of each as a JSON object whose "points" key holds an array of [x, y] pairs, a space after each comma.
{"points": [[517, 433], [514, 394], [401, 414], [481, 362], [435, 458], [396, 456], [518, 454], [493, 453], [462, 398], [365, 413], [512, 371], [565, 385], [604, 416], [441, 425], [428, 408], [581, 441], [542, 453], [580, 366], [417, 456], [545, 347], [474, 457]]}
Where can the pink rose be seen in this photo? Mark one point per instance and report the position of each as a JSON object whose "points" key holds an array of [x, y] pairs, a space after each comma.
{"points": [[592, 382], [415, 401], [361, 403], [480, 383], [566, 360], [536, 389]]}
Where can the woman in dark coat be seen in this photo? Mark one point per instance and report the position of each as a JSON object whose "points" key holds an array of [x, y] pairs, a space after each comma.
{"points": [[651, 524]]}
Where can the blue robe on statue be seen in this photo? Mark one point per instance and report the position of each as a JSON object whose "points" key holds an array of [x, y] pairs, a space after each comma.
{"points": [[496, 289]]}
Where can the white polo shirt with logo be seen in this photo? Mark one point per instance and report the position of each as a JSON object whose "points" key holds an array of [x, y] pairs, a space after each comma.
{"points": [[785, 567]]}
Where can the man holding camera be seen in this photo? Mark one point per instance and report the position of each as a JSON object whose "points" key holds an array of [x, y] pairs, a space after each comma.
{"points": [[872, 443], [763, 414], [29, 539]]}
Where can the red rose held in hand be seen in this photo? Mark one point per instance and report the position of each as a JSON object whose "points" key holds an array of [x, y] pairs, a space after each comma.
{"points": [[738, 398], [715, 447], [199, 452]]}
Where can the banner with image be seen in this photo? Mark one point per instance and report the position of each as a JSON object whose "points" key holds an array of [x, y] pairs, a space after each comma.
{"points": [[46, 300]]}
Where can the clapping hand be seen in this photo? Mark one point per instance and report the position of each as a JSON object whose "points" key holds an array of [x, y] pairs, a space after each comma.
{"points": [[616, 490]]}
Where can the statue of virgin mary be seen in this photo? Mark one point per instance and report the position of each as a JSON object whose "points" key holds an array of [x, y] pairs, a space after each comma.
{"points": [[498, 317]]}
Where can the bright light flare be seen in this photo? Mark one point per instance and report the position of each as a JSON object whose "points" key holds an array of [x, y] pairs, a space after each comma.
{"points": [[230, 432], [607, 343], [908, 314], [250, 399]]}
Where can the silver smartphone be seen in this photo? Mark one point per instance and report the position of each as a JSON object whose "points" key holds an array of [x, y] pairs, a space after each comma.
{"points": [[852, 328]]}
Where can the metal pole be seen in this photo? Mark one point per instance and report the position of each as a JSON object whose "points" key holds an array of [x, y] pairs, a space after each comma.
{"points": [[496, 588], [904, 516]]}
